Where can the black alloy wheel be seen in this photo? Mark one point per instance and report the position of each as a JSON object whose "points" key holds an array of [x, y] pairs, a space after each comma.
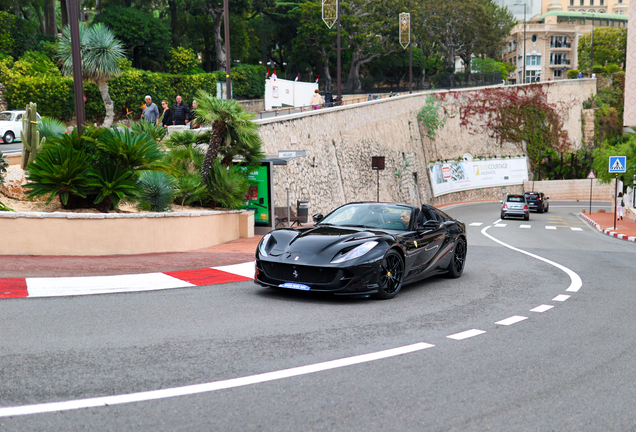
{"points": [[458, 261], [391, 275]]}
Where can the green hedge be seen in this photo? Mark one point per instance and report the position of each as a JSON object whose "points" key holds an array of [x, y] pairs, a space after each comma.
{"points": [[54, 95]]}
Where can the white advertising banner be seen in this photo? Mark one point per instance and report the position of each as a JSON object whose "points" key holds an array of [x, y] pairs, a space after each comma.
{"points": [[459, 176]]}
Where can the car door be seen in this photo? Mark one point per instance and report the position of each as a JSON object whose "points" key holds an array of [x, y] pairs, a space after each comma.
{"points": [[430, 239], [16, 126]]}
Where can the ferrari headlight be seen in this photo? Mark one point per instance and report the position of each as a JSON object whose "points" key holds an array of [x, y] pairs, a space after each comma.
{"points": [[356, 252], [263, 245]]}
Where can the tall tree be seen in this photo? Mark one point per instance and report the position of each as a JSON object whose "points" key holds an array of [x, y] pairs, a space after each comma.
{"points": [[610, 47], [100, 51]]}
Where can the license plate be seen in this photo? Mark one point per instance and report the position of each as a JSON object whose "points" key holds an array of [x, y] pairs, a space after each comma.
{"points": [[294, 286]]}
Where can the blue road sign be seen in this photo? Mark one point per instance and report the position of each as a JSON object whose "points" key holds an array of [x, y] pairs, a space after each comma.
{"points": [[617, 164]]}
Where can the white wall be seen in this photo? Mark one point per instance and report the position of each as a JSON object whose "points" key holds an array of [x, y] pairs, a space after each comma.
{"points": [[287, 93]]}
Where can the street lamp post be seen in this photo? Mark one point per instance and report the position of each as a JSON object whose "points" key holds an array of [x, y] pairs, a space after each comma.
{"points": [[338, 73], [410, 54], [228, 64], [78, 85], [524, 39]]}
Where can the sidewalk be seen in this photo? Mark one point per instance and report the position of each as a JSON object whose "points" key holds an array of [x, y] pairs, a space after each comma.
{"points": [[604, 222]]}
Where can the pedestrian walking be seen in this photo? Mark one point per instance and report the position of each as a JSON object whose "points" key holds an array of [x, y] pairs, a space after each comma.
{"points": [[151, 112], [181, 112], [620, 205], [167, 119], [328, 99], [316, 100], [193, 115]]}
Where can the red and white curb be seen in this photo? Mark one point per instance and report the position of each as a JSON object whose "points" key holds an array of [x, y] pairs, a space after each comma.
{"points": [[87, 285], [609, 231]]}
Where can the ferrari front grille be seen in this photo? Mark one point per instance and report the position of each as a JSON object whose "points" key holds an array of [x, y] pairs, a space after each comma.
{"points": [[299, 273]]}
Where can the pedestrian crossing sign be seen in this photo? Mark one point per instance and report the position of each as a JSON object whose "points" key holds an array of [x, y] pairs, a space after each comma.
{"points": [[617, 164]]}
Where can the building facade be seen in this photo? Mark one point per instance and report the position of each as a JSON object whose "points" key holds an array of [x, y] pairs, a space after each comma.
{"points": [[614, 7], [552, 40]]}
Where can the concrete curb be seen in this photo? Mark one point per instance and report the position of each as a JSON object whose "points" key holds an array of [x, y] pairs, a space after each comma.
{"points": [[608, 231]]}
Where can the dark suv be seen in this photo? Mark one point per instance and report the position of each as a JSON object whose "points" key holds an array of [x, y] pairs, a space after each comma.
{"points": [[537, 201], [515, 205]]}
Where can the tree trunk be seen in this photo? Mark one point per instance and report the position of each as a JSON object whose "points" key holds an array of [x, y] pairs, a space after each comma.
{"points": [[217, 19], [108, 103], [64, 13], [16, 9], [322, 65], [216, 139], [174, 22], [264, 41], [41, 19], [52, 18]]}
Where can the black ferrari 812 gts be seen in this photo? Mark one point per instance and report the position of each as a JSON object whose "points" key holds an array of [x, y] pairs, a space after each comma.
{"points": [[363, 249]]}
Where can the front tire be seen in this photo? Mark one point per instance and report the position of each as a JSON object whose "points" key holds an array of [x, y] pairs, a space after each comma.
{"points": [[391, 275], [8, 138], [458, 260]]}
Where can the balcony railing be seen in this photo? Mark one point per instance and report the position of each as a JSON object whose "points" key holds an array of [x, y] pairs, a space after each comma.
{"points": [[559, 62], [560, 45]]}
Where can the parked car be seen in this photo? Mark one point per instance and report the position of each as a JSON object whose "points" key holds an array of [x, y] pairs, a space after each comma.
{"points": [[537, 201], [515, 205], [363, 249], [11, 125]]}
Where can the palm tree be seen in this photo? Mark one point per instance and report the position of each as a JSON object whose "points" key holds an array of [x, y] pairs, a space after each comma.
{"points": [[233, 131], [100, 52]]}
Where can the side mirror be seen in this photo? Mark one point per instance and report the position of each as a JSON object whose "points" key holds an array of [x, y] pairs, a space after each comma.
{"points": [[500, 201], [318, 217], [547, 197], [430, 224]]}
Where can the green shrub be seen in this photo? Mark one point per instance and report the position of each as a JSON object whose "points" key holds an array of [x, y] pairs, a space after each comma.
{"points": [[54, 95], [248, 81], [613, 68], [51, 128], [7, 28], [573, 73], [156, 191], [181, 60], [226, 187], [36, 63], [16, 35], [3, 167], [59, 170], [154, 130], [113, 182], [134, 152]]}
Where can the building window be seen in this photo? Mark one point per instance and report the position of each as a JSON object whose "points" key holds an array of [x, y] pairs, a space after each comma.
{"points": [[591, 2], [520, 61], [582, 4], [571, 2], [559, 59], [560, 42], [533, 38], [602, 2], [533, 76], [533, 60]]}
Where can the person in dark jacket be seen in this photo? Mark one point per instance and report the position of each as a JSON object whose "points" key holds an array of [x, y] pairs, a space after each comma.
{"points": [[167, 119], [193, 115], [181, 112]]}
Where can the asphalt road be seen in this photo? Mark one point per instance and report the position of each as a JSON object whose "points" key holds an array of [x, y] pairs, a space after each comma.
{"points": [[16, 147], [569, 368]]}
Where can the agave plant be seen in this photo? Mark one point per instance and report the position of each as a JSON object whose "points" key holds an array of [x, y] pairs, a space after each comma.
{"points": [[156, 190]]}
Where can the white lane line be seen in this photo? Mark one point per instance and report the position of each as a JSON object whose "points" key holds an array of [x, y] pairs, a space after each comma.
{"points": [[550, 227], [466, 334], [72, 286], [541, 308], [575, 279], [476, 224], [497, 221], [500, 225], [512, 320], [576, 229], [208, 387], [525, 226], [561, 298]]}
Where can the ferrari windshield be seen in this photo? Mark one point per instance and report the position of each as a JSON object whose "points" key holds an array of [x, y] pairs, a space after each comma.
{"points": [[383, 216]]}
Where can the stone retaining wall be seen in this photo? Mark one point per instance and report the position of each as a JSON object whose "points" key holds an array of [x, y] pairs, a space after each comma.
{"points": [[341, 141], [572, 189]]}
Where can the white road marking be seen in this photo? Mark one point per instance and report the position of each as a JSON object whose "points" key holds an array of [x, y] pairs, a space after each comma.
{"points": [[512, 320], [550, 227], [575, 279], [466, 334], [208, 387], [561, 298], [500, 225], [541, 308], [576, 229], [476, 224], [71, 286], [246, 269], [497, 221], [525, 226]]}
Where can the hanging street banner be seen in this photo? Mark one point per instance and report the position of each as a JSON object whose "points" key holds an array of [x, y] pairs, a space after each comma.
{"points": [[405, 29], [617, 164], [460, 176], [330, 12]]}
